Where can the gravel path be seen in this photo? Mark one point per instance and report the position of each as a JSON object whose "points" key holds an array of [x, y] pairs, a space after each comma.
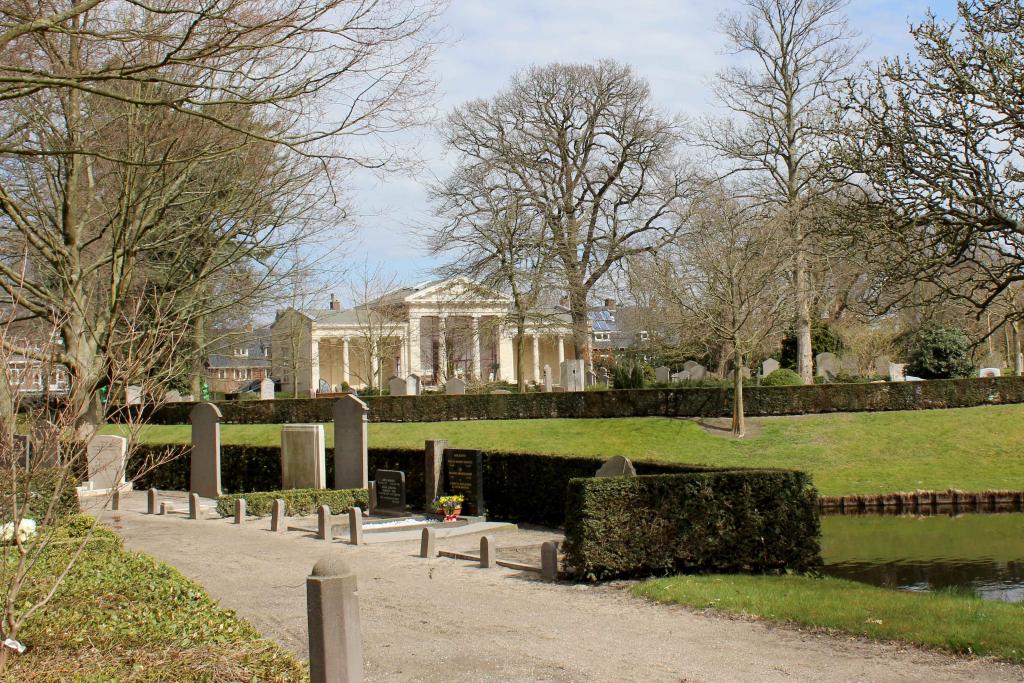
{"points": [[445, 620]]}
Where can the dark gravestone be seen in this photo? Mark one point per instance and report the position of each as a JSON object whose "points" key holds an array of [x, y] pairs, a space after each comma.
{"points": [[390, 490], [464, 474]]}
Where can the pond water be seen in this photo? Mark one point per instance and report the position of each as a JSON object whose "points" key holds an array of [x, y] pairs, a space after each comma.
{"points": [[975, 553]]}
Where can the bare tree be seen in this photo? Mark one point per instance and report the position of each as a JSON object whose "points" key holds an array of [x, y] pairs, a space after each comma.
{"points": [[582, 150], [801, 51], [380, 318], [727, 276]]}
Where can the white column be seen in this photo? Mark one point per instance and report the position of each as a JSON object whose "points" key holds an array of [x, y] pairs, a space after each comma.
{"points": [[536, 358], [413, 367], [374, 367], [506, 355], [476, 347], [561, 352], [345, 367], [442, 351], [314, 367]]}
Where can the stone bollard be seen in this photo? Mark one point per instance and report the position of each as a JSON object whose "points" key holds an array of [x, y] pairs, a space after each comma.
{"points": [[277, 515], [332, 608], [240, 511], [115, 500], [355, 525], [549, 561], [151, 502], [193, 506], [488, 553], [428, 543], [371, 499], [165, 508], [323, 524]]}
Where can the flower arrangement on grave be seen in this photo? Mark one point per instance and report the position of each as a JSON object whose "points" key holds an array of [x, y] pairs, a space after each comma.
{"points": [[448, 507], [26, 530]]}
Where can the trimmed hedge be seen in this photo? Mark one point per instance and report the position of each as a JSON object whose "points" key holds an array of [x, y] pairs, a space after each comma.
{"points": [[673, 402], [42, 486], [297, 502], [754, 521]]}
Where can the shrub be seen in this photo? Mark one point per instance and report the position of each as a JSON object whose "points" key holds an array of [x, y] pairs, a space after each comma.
{"points": [[297, 502], [42, 486], [628, 375], [727, 521], [783, 377], [937, 352]]}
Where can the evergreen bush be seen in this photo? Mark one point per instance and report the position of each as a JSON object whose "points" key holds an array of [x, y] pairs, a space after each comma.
{"points": [[937, 352], [783, 377]]}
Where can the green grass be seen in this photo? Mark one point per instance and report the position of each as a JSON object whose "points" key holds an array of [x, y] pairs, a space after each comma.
{"points": [[944, 620], [846, 453], [124, 616]]}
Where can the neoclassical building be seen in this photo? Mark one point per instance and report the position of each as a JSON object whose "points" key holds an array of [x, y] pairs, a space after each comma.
{"points": [[435, 330]]}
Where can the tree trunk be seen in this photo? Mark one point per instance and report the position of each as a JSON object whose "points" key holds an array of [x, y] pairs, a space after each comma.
{"points": [[739, 426], [804, 352], [199, 348], [1018, 360], [580, 324], [520, 352]]}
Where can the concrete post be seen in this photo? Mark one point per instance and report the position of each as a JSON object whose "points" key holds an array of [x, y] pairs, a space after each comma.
{"points": [[549, 561], [277, 515], [165, 508], [371, 498], [115, 500], [151, 502], [240, 511], [323, 523], [351, 465], [332, 607], [434, 458], [193, 506], [488, 553], [205, 475], [355, 525], [428, 543]]}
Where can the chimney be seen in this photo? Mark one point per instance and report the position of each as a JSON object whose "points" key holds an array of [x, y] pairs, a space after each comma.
{"points": [[609, 304], [335, 304]]}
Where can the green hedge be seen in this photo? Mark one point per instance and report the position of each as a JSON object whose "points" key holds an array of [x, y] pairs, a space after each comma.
{"points": [[42, 486], [297, 502], [665, 402], [727, 521]]}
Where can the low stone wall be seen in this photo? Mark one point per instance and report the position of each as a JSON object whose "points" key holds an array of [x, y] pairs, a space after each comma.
{"points": [[684, 402], [924, 502]]}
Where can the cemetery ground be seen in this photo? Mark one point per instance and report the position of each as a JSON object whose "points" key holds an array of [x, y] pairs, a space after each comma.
{"points": [[440, 619], [971, 449]]}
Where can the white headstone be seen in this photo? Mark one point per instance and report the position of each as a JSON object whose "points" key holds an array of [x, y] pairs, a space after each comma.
{"points": [[681, 376], [455, 386], [172, 396], [769, 366], [303, 457], [989, 372], [267, 390], [591, 378], [827, 365], [106, 462], [911, 378], [133, 395], [413, 385], [397, 386], [662, 374], [572, 376], [897, 372], [547, 378]]}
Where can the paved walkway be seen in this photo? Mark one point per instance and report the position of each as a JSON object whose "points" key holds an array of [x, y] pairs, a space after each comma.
{"points": [[445, 620]]}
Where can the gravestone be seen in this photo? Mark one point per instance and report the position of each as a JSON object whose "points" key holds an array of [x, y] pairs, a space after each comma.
{"points": [[547, 378], [303, 458], [591, 378], [827, 365], [464, 474], [690, 365], [990, 372], [850, 364], [455, 387], [662, 374], [396, 386], [390, 485], [602, 376], [745, 373], [413, 385], [133, 395], [616, 466], [106, 460], [697, 372], [881, 366], [897, 372], [205, 459], [571, 375], [172, 396], [681, 376], [350, 456], [769, 366], [267, 390]]}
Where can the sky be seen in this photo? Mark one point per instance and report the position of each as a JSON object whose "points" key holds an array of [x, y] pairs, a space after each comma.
{"points": [[672, 43]]}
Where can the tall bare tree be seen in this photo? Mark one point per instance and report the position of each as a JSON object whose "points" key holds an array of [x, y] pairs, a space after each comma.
{"points": [[801, 51], [582, 148]]}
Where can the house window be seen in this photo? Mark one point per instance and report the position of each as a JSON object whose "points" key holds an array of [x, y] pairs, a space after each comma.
{"points": [[602, 336], [222, 374], [642, 335], [242, 352]]}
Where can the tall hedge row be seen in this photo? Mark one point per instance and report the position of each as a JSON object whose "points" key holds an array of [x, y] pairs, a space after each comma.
{"points": [[727, 521], [682, 402]]}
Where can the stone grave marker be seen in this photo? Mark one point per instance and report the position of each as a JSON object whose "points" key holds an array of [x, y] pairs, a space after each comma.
{"points": [[571, 372], [396, 386], [455, 386], [745, 373], [172, 396], [827, 365], [350, 454], [681, 376], [413, 385], [105, 456], [662, 374], [698, 372], [881, 366], [390, 485], [602, 376], [133, 395], [850, 364], [464, 474], [591, 378], [990, 372], [690, 365], [769, 366], [616, 466], [897, 372], [267, 390], [303, 457], [547, 378], [205, 459]]}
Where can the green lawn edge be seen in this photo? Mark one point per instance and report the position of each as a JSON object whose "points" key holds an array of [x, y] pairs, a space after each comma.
{"points": [[963, 625]]}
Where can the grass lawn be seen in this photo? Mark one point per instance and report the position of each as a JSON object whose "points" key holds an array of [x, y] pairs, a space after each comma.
{"points": [[946, 621], [123, 616], [846, 453]]}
